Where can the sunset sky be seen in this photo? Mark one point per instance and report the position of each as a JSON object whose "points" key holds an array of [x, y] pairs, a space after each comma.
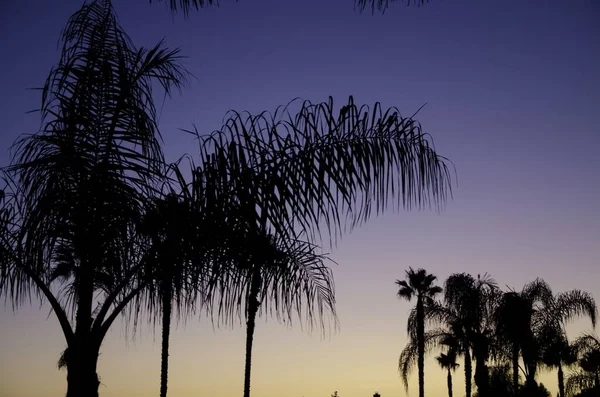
{"points": [[513, 93]]}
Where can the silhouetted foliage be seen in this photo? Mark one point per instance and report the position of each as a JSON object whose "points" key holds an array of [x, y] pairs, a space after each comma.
{"points": [[419, 285], [502, 329]]}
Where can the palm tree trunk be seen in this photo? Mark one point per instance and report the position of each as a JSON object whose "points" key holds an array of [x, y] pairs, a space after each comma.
{"points": [[468, 373], [449, 381], [82, 379], [515, 367], [561, 381], [252, 310], [421, 345], [481, 377], [166, 332]]}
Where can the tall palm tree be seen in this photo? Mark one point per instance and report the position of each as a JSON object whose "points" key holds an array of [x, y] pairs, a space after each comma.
{"points": [[420, 285], [76, 190], [313, 169], [448, 362], [557, 352], [514, 320], [184, 244], [472, 302], [558, 310]]}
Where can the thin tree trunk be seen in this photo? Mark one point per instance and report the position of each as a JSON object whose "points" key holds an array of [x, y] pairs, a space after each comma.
{"points": [[515, 365], [253, 305], [449, 381], [561, 381], [166, 332], [421, 345], [468, 373]]}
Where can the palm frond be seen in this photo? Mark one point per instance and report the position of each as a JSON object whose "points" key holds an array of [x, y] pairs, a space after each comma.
{"points": [[312, 168]]}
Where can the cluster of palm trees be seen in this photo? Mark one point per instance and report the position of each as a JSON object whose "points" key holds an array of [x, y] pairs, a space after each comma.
{"points": [[502, 332], [96, 223]]}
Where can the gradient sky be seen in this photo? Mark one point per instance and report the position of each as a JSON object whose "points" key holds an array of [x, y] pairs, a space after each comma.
{"points": [[513, 92]]}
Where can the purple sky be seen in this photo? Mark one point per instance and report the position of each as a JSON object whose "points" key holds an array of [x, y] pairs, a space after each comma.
{"points": [[513, 92]]}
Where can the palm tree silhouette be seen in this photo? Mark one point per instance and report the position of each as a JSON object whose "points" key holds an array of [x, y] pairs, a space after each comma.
{"points": [[514, 321], [448, 362], [309, 170], [556, 312], [587, 379], [75, 191], [556, 352], [420, 285], [471, 303], [184, 243]]}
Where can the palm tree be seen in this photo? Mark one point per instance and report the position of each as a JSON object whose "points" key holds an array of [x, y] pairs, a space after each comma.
{"points": [[76, 191], [556, 312], [309, 170], [472, 303], [375, 5], [420, 285], [282, 277], [184, 244], [556, 352], [514, 320], [448, 362], [588, 376]]}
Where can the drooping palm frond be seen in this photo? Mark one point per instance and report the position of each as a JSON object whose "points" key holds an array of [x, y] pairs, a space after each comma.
{"points": [[295, 282], [311, 168], [577, 382], [586, 342]]}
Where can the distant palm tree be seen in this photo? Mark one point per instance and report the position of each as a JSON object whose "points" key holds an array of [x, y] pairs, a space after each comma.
{"points": [[375, 5], [514, 321], [448, 362], [77, 189], [588, 376], [552, 318], [472, 303], [420, 285]]}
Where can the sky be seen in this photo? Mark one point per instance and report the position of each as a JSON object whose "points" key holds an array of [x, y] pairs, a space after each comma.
{"points": [[512, 91]]}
